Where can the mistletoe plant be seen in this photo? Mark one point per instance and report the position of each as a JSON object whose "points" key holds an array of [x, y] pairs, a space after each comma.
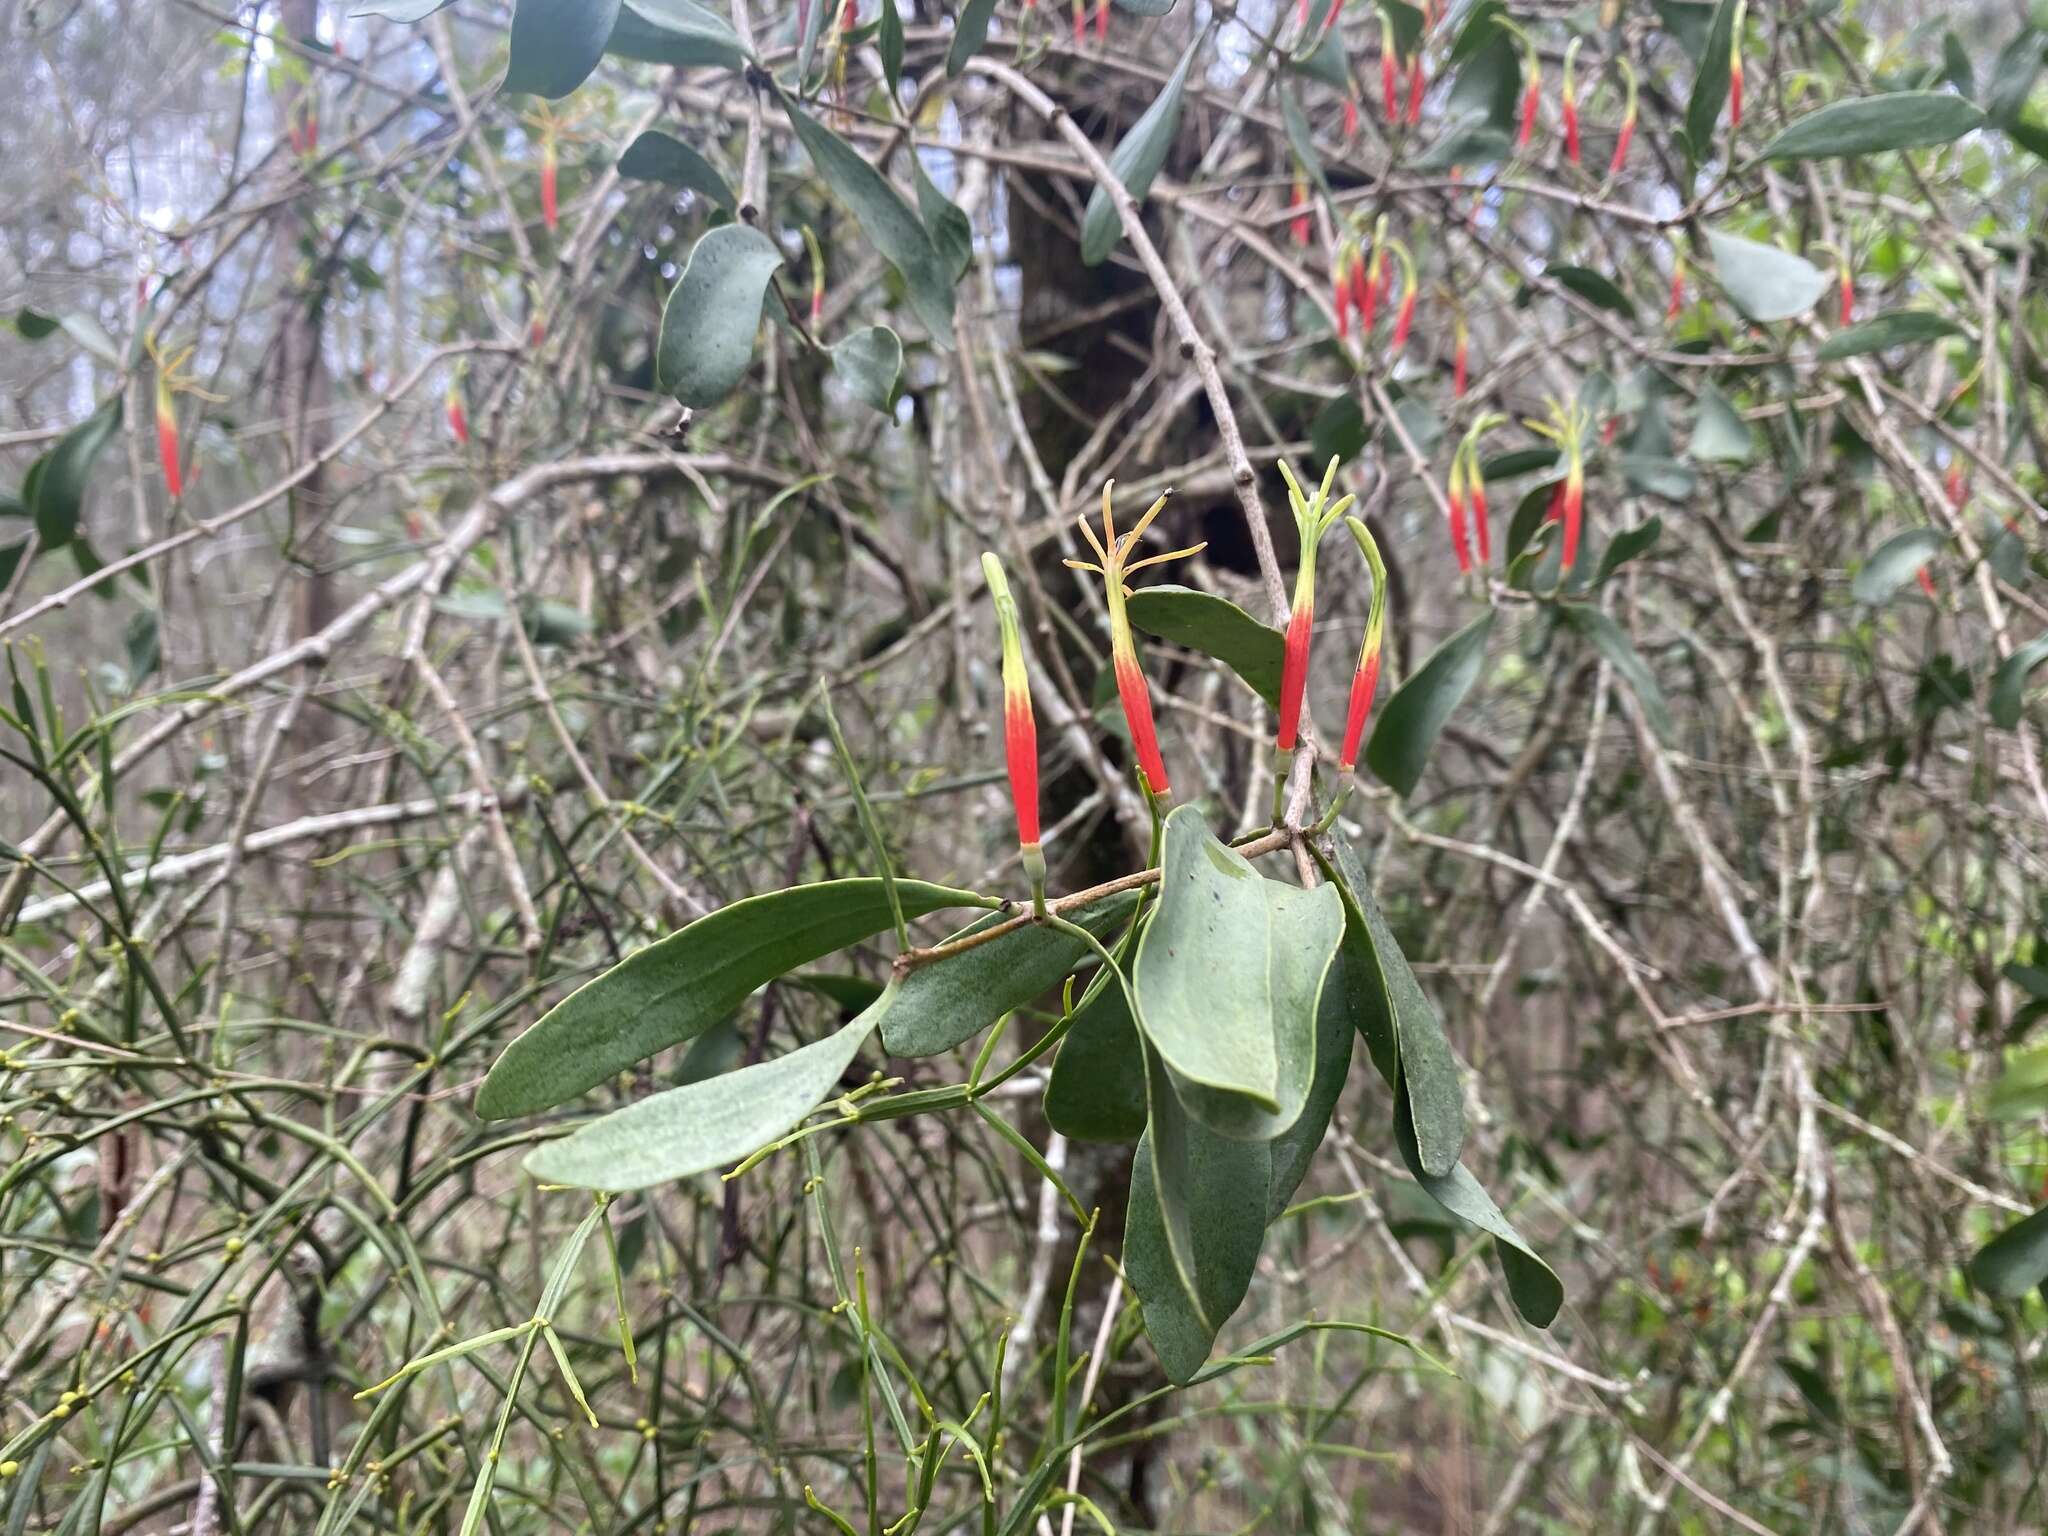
{"points": [[1207, 1003]]}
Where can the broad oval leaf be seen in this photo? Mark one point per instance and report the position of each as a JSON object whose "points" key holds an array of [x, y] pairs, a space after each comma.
{"points": [[1216, 627], [1387, 1006], [2015, 1261], [868, 362], [655, 156], [1407, 731], [54, 488], [678, 987], [557, 43], [1136, 161], [886, 219], [678, 32], [1719, 434], [1196, 1221], [1880, 333], [1873, 124], [2009, 682], [1305, 927], [708, 1124], [1295, 1148], [1096, 1090], [1202, 979], [1611, 642], [1532, 1284], [1895, 562], [1765, 282], [951, 1000], [713, 313], [970, 31], [1326, 62]]}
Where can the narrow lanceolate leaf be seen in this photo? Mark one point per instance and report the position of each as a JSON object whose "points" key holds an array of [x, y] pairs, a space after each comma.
{"points": [[1872, 124], [679, 32], [1216, 627], [1880, 333], [1894, 563], [1594, 287], [1612, 642], [1203, 976], [952, 1000], [712, 315], [1407, 732], [1301, 139], [1710, 85], [2012, 1263], [2009, 682], [1627, 545], [1192, 1234], [1765, 282], [946, 222], [1302, 941], [1295, 1148], [557, 43], [1532, 1284], [1136, 161], [54, 489], [674, 990], [655, 156], [1387, 1006], [868, 363], [707, 1125], [885, 217], [1096, 1091], [970, 31]]}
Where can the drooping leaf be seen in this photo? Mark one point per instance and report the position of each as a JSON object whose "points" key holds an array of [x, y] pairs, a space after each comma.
{"points": [[2016, 1260], [1629, 544], [1532, 1284], [1895, 562], [2009, 682], [1594, 287], [869, 362], [885, 218], [655, 156], [1302, 941], [1216, 627], [941, 1004], [1096, 1090], [557, 43], [704, 1125], [675, 989], [1181, 1334], [1387, 1006], [1870, 125], [1407, 729], [1765, 282], [1880, 333], [1295, 1148], [1136, 161], [946, 222], [54, 488], [1608, 638], [713, 313], [1719, 435], [970, 31], [678, 32], [1710, 83], [1202, 980]]}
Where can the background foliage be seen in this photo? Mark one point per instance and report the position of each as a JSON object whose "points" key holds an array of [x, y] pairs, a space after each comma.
{"points": [[454, 661]]}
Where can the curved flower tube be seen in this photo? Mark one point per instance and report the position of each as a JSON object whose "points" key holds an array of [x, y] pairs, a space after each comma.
{"points": [[1569, 104], [1020, 732], [1313, 516], [1113, 552], [1365, 679], [1628, 118]]}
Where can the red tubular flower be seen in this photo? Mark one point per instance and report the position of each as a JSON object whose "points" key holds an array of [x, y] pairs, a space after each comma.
{"points": [[1454, 494], [1365, 289], [1567, 427], [458, 418], [1330, 20], [1364, 680], [1569, 105], [167, 437], [1735, 68], [1417, 83], [1958, 487], [1080, 22], [1532, 89], [1475, 481], [1340, 287], [549, 213], [1628, 119], [1297, 198], [1113, 552], [1671, 310], [1301, 13], [1460, 359], [1351, 116], [1405, 318], [1020, 731], [1313, 516], [1847, 280], [1389, 70], [1927, 583], [1101, 20], [817, 255]]}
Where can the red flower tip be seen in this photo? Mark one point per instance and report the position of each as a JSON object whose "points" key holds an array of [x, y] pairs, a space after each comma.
{"points": [[167, 438], [1454, 497], [1297, 198], [1571, 130], [1101, 19], [549, 213], [1020, 730], [1958, 487], [1621, 141], [1313, 515], [1460, 361], [458, 418], [1365, 678], [1417, 83], [1351, 117]]}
